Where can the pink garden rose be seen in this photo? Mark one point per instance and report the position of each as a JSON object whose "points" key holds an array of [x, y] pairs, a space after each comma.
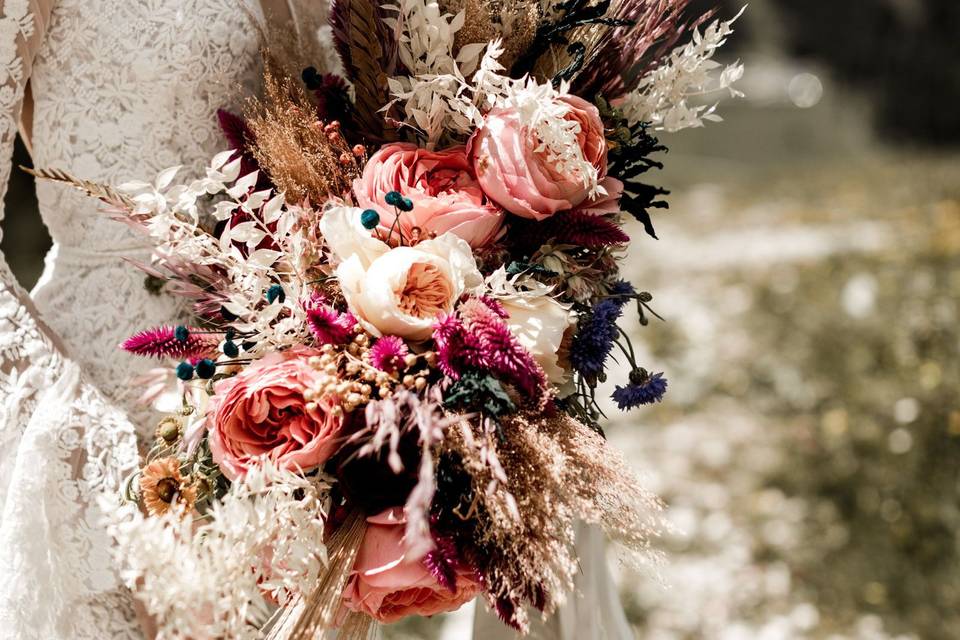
{"points": [[387, 585], [519, 178], [442, 187], [262, 412]]}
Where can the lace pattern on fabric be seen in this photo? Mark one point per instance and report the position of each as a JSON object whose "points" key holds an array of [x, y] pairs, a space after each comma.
{"points": [[121, 89]]}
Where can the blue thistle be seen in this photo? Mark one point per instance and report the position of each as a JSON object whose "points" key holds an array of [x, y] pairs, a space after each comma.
{"points": [[369, 219], [185, 371], [206, 369], [644, 388], [594, 340], [622, 289]]}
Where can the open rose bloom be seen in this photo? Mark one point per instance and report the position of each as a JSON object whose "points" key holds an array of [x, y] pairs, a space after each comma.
{"points": [[389, 584], [442, 187], [262, 412], [406, 290]]}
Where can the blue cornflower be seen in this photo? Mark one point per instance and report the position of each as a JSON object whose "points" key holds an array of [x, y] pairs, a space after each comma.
{"points": [[643, 389], [594, 340], [623, 289]]}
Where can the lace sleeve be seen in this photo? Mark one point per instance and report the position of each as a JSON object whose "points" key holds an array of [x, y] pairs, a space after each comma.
{"points": [[61, 443]]}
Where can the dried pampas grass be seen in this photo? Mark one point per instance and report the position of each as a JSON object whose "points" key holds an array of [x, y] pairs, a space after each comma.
{"points": [[531, 483], [305, 158]]}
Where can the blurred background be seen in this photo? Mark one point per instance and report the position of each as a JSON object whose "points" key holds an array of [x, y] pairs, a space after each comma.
{"points": [[809, 274]]}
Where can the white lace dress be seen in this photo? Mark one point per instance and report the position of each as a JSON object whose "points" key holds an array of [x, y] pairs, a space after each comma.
{"points": [[120, 90]]}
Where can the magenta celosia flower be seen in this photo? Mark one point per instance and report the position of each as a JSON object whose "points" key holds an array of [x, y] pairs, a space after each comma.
{"points": [[477, 337], [388, 352], [328, 325], [180, 342]]}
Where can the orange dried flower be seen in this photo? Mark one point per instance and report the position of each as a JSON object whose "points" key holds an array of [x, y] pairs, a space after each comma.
{"points": [[162, 485]]}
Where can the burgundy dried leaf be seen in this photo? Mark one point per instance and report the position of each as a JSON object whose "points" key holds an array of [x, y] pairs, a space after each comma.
{"points": [[626, 53], [583, 229]]}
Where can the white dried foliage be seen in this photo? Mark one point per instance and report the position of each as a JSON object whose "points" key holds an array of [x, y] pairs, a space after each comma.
{"points": [[663, 97], [437, 98], [542, 114], [387, 421], [171, 216], [445, 98], [222, 575]]}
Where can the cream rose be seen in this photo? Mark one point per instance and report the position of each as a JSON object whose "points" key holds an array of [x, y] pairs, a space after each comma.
{"points": [[397, 291], [539, 322]]}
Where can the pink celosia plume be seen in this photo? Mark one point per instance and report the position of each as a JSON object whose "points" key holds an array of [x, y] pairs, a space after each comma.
{"points": [[477, 337], [163, 342]]}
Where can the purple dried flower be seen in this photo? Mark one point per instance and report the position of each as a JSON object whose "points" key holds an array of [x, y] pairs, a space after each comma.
{"points": [[623, 289], [166, 342], [328, 325], [644, 388], [594, 340], [388, 352], [477, 337]]}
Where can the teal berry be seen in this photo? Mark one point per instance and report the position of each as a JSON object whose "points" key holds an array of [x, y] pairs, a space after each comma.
{"points": [[230, 349], [393, 198], [274, 293], [181, 333], [185, 371], [206, 368], [405, 204], [369, 219]]}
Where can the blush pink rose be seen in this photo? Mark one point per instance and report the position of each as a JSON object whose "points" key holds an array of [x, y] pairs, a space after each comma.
{"points": [[519, 178], [261, 412], [442, 187], [387, 585]]}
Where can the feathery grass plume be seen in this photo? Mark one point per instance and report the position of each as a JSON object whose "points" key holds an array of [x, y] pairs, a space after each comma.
{"points": [[623, 54], [305, 158], [514, 23], [531, 484], [106, 194], [368, 52]]}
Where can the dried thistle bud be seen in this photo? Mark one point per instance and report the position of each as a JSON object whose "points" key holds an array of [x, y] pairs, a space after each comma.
{"points": [[169, 429]]}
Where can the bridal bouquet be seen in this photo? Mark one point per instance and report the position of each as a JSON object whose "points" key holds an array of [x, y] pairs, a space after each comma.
{"points": [[404, 290]]}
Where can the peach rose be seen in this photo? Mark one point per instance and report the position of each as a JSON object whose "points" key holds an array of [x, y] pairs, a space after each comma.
{"points": [[442, 187], [515, 174], [388, 585], [397, 291], [261, 412]]}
